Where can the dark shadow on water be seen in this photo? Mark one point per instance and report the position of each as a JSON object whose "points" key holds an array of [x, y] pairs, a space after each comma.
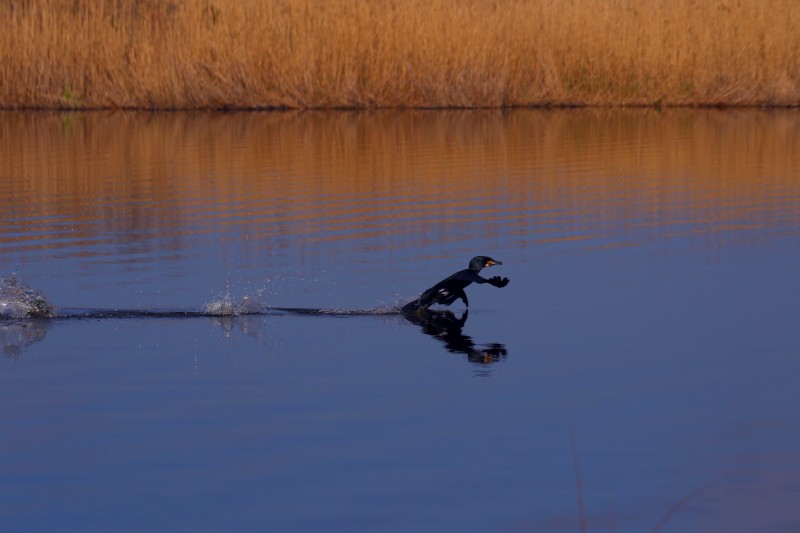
{"points": [[444, 326]]}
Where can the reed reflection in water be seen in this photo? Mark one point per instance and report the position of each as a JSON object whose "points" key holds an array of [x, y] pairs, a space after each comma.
{"points": [[654, 274], [134, 190]]}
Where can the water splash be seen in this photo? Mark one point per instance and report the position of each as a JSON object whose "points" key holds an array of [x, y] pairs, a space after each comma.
{"points": [[17, 300], [226, 306]]}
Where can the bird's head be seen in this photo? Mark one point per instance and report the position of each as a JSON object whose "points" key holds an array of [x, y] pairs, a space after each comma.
{"points": [[480, 262]]}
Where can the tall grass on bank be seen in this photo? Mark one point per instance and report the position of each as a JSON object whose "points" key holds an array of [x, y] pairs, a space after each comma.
{"points": [[397, 53]]}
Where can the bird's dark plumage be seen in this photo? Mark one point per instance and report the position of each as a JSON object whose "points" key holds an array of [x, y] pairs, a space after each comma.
{"points": [[452, 288]]}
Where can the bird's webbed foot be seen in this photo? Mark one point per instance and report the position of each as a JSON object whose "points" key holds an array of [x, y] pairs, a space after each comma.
{"points": [[498, 282]]}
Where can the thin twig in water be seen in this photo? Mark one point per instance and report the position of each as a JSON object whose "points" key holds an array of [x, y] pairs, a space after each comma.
{"points": [[679, 504], [578, 480]]}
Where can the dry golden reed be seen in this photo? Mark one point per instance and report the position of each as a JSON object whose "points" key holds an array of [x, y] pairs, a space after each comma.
{"points": [[397, 53]]}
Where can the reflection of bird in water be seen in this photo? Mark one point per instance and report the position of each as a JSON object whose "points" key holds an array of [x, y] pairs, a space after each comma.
{"points": [[451, 289], [446, 327], [16, 336]]}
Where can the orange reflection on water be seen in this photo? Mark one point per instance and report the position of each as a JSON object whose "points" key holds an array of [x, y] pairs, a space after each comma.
{"points": [[344, 175]]}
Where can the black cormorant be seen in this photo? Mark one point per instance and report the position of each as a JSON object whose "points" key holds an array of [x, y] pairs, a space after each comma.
{"points": [[451, 289]]}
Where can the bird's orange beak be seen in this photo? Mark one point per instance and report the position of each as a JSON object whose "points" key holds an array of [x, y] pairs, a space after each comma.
{"points": [[492, 262]]}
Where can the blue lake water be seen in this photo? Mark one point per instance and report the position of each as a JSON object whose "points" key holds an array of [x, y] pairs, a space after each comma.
{"points": [[639, 372]]}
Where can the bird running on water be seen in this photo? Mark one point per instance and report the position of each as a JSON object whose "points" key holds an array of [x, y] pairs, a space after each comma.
{"points": [[451, 289]]}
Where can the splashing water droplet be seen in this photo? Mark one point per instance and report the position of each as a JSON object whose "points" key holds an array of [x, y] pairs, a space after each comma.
{"points": [[17, 300], [226, 306]]}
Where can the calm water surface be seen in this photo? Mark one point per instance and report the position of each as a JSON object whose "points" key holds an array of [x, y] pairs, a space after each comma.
{"points": [[639, 373]]}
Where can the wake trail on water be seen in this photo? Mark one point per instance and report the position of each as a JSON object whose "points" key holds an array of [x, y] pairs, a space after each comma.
{"points": [[18, 301]]}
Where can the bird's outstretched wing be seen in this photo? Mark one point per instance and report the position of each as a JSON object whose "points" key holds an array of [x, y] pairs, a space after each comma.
{"points": [[444, 293], [451, 289]]}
